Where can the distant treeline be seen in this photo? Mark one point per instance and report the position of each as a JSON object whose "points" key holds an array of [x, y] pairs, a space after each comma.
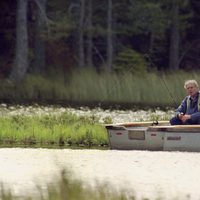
{"points": [[134, 36]]}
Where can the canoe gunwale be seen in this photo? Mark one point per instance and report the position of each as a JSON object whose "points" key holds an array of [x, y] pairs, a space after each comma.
{"points": [[177, 128], [136, 124]]}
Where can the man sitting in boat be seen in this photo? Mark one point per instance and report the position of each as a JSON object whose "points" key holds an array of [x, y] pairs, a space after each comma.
{"points": [[189, 110]]}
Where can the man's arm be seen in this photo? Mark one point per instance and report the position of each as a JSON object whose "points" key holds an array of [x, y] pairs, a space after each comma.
{"points": [[181, 110], [195, 116]]}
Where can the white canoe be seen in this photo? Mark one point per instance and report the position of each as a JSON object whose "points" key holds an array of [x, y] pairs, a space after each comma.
{"points": [[148, 136]]}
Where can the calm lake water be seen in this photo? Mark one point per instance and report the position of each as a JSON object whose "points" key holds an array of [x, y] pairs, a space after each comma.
{"points": [[144, 173]]}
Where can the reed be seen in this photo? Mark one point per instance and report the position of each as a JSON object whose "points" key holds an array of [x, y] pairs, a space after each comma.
{"points": [[63, 129], [152, 89]]}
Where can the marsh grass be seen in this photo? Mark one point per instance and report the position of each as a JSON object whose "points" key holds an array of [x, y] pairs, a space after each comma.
{"points": [[151, 89], [63, 129]]}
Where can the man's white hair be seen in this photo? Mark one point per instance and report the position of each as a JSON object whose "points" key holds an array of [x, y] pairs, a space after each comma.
{"points": [[194, 82]]}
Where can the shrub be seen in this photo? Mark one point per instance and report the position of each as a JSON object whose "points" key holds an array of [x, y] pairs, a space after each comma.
{"points": [[130, 61]]}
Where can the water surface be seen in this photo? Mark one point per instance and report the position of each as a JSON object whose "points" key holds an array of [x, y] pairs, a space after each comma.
{"points": [[144, 173]]}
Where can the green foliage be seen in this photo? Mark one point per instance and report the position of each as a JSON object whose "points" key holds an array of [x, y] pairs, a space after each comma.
{"points": [[59, 24], [147, 17], [185, 13], [146, 23], [59, 28], [130, 61], [65, 129]]}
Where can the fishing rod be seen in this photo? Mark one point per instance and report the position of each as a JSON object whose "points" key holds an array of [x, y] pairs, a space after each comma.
{"points": [[169, 92], [163, 81]]}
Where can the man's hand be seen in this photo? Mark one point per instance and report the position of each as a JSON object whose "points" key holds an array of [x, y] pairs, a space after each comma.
{"points": [[180, 116], [184, 118]]}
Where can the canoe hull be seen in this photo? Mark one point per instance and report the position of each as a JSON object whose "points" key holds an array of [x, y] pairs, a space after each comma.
{"points": [[144, 136], [182, 141]]}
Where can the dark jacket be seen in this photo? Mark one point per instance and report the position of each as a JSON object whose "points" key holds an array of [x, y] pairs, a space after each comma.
{"points": [[190, 106]]}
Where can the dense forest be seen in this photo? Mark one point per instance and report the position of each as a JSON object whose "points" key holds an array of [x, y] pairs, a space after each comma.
{"points": [[131, 35]]}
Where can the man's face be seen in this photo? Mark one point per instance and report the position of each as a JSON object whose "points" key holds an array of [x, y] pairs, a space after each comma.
{"points": [[191, 89]]}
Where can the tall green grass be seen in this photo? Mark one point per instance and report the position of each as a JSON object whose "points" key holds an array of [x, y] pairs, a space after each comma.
{"points": [[152, 89], [64, 129]]}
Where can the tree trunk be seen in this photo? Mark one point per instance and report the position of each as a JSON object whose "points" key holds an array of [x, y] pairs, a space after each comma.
{"points": [[81, 61], [109, 38], [89, 35], [39, 49], [174, 38], [21, 55]]}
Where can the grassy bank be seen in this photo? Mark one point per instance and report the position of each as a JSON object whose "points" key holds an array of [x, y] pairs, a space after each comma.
{"points": [[56, 125], [64, 129], [87, 87]]}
